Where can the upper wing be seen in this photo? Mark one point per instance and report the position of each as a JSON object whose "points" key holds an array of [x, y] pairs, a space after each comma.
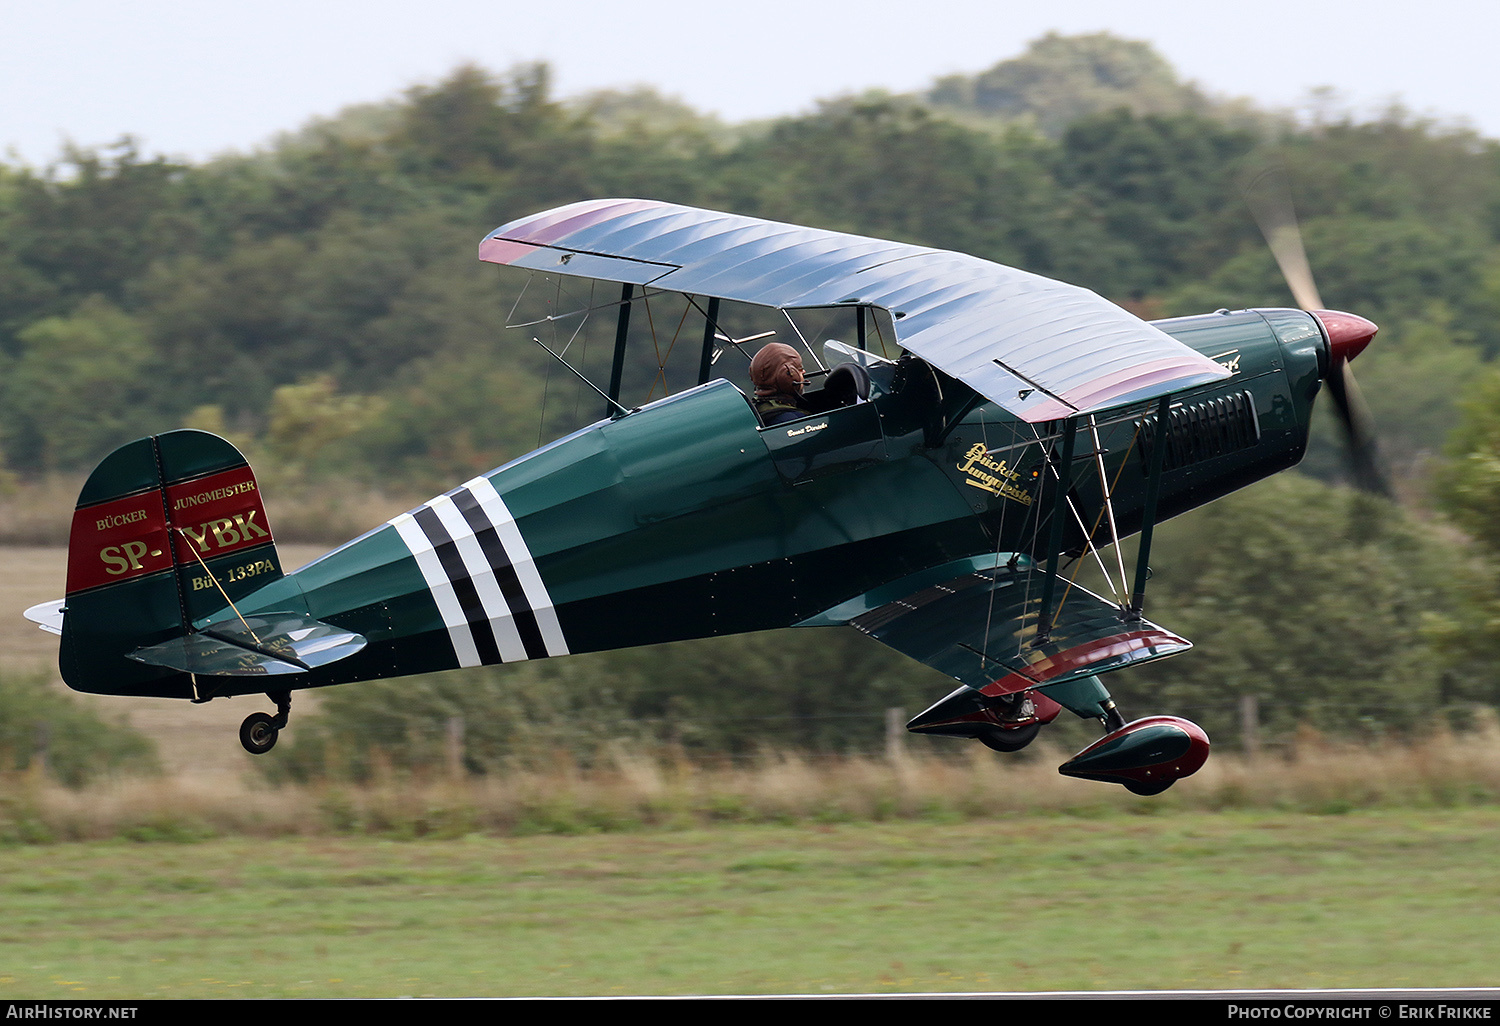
{"points": [[976, 620], [1039, 348]]}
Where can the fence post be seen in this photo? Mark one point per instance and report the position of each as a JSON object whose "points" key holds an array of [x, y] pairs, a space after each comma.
{"points": [[454, 743], [1250, 725], [44, 747], [895, 733]]}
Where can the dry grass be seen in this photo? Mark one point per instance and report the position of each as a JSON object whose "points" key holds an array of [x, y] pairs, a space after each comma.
{"points": [[40, 512], [1323, 775], [329, 513], [634, 792]]}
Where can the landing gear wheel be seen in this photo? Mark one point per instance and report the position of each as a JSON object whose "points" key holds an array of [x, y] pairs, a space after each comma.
{"points": [[1010, 740], [258, 733], [1147, 790]]}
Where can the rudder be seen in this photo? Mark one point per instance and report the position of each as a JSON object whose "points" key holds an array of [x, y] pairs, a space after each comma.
{"points": [[168, 529]]}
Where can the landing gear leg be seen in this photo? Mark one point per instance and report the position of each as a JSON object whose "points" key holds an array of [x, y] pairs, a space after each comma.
{"points": [[1113, 721], [1110, 717], [259, 731], [1086, 697]]}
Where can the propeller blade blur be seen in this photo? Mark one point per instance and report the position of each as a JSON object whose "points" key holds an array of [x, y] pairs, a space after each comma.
{"points": [[1269, 196], [1270, 199], [1359, 430]]}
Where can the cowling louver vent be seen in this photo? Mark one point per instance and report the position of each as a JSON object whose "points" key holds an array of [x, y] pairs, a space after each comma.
{"points": [[1201, 431]]}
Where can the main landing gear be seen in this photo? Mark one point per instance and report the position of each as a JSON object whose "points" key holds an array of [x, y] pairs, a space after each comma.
{"points": [[1017, 722], [1012, 740], [259, 731], [1145, 756]]}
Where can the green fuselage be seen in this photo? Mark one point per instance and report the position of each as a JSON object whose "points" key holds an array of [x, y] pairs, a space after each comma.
{"points": [[687, 519]]}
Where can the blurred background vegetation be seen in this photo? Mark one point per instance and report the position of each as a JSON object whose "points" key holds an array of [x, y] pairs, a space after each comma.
{"points": [[318, 302]]}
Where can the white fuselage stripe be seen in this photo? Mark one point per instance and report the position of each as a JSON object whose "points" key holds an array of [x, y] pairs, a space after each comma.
{"points": [[520, 556], [449, 608], [502, 620]]}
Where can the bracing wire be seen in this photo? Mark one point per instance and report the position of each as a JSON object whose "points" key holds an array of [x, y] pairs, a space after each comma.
{"points": [[989, 615], [1109, 505], [805, 344], [583, 359], [661, 361], [1089, 541]]}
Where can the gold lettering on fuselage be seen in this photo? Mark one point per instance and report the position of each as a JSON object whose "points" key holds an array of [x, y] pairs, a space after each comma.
{"points": [[135, 516], [238, 573], [226, 532], [188, 501], [123, 558], [993, 476]]}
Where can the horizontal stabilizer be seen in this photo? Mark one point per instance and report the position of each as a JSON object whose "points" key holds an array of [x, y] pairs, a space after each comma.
{"points": [[47, 615], [270, 643], [976, 620]]}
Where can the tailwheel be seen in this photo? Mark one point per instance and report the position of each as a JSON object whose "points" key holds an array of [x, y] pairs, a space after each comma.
{"points": [[1009, 740], [258, 733]]}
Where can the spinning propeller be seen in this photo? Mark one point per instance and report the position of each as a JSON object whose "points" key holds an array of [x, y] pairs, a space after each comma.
{"points": [[1270, 201]]}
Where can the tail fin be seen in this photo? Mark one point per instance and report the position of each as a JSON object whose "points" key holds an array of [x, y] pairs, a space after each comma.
{"points": [[167, 530]]}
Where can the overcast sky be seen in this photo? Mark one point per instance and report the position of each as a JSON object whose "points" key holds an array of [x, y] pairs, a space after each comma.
{"points": [[195, 77]]}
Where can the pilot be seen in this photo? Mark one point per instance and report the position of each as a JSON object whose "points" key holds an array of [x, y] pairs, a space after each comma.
{"points": [[776, 373]]}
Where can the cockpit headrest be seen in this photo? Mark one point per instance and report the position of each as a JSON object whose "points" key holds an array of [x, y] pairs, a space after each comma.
{"points": [[847, 384]]}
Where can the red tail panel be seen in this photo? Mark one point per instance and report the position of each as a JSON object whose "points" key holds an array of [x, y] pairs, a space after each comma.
{"points": [[119, 540], [217, 515]]}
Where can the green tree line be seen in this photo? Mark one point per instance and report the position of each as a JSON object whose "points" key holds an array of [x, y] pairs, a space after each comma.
{"points": [[135, 291]]}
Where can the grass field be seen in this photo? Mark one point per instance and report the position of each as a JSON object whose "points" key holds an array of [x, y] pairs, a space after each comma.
{"points": [[1194, 900]]}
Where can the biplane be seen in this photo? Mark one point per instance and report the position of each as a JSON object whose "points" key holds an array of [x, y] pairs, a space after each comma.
{"points": [[975, 434]]}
